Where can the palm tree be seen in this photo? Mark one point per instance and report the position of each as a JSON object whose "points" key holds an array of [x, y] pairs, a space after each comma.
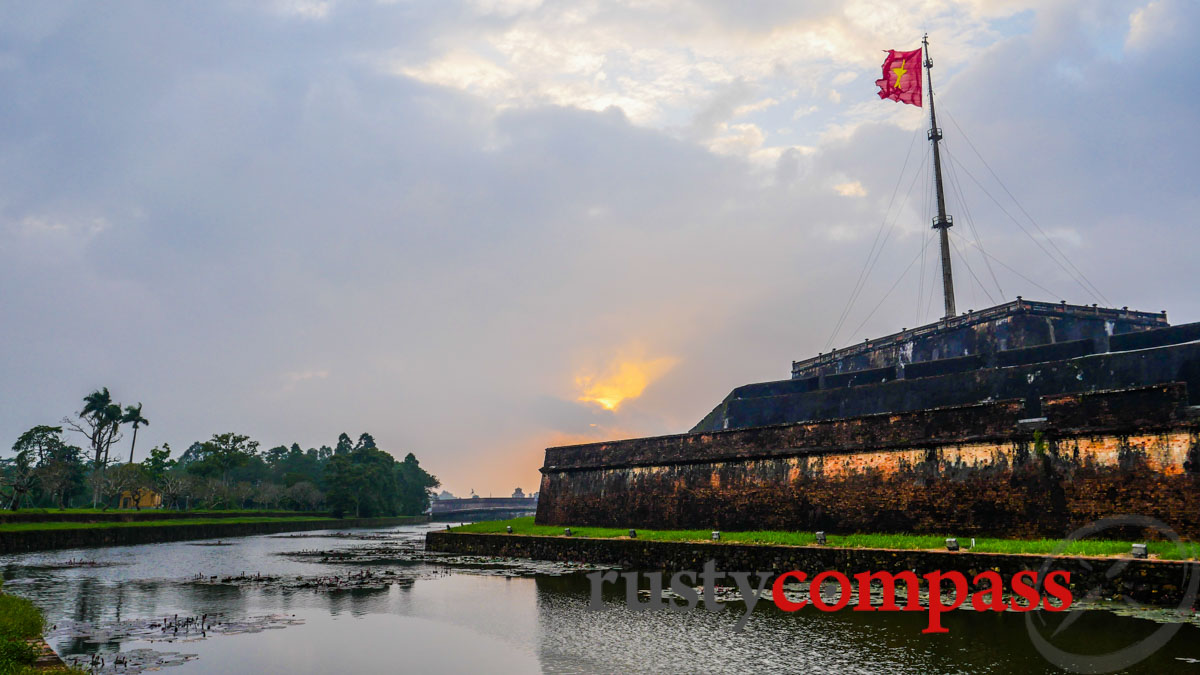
{"points": [[99, 422], [106, 417], [96, 402], [111, 416], [133, 415]]}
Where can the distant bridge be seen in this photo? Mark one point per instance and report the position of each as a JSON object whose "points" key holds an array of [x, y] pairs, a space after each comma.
{"points": [[483, 508]]}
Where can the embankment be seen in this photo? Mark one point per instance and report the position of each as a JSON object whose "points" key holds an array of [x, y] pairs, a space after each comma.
{"points": [[86, 537], [1164, 583], [21, 621], [52, 516]]}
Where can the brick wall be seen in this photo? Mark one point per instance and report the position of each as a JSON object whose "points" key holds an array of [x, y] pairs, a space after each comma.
{"points": [[1165, 583], [971, 470]]}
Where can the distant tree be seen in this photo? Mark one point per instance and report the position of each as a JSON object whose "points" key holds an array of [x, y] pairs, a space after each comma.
{"points": [[42, 458], [100, 423], [41, 441], [305, 496], [58, 466], [241, 493], [133, 415], [276, 456], [111, 482], [220, 455], [99, 405], [346, 485], [158, 462], [61, 477], [366, 481], [133, 479], [214, 492], [362, 482], [176, 487], [269, 495], [415, 484], [253, 470], [19, 477], [194, 453], [354, 477]]}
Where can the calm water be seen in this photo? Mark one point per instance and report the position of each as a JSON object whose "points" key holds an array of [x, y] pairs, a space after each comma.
{"points": [[455, 620]]}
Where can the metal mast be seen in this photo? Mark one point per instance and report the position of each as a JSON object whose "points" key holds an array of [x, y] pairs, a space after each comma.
{"points": [[942, 222]]}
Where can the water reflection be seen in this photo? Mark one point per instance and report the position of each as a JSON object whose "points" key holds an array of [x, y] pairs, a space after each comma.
{"points": [[573, 639], [431, 621]]}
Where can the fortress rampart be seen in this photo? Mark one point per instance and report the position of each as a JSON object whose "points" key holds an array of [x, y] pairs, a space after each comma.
{"points": [[1010, 327], [1120, 361], [987, 468]]}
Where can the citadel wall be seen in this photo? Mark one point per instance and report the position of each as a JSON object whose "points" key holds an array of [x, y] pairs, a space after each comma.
{"points": [[977, 469], [1118, 362], [1016, 325]]}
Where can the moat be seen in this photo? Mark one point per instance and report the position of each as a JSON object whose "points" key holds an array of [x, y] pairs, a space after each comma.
{"points": [[374, 601]]}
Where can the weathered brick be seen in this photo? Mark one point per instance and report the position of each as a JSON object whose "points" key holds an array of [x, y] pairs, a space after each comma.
{"points": [[968, 470]]}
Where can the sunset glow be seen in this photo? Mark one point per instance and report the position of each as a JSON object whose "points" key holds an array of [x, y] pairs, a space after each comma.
{"points": [[621, 381]]}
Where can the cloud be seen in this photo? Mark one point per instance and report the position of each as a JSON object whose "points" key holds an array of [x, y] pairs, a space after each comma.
{"points": [[1154, 24], [667, 62], [737, 139], [301, 376], [755, 107], [850, 189], [466, 71], [621, 380], [304, 9]]}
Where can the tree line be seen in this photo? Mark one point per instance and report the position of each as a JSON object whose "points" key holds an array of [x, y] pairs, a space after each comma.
{"points": [[228, 471]]}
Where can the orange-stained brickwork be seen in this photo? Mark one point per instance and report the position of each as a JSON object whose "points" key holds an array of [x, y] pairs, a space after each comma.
{"points": [[948, 470]]}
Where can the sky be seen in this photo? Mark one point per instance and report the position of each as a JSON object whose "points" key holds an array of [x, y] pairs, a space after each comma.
{"points": [[478, 229]]}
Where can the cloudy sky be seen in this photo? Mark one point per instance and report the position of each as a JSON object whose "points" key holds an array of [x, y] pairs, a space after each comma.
{"points": [[477, 229]]}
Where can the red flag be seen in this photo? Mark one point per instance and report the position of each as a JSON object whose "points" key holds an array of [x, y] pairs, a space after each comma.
{"points": [[901, 79]]}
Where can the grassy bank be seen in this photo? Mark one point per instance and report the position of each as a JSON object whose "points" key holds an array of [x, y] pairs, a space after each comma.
{"points": [[69, 525], [91, 511], [1091, 547], [116, 515], [21, 622], [46, 536]]}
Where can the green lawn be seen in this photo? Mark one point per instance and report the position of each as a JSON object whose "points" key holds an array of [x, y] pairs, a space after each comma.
{"points": [[1091, 547], [91, 511], [56, 525], [21, 621]]}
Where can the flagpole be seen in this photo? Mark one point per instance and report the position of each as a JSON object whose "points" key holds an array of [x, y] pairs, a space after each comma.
{"points": [[942, 222]]}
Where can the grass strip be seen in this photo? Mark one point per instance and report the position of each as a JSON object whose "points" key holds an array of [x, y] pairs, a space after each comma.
{"points": [[69, 525], [91, 511], [1163, 550], [21, 621]]}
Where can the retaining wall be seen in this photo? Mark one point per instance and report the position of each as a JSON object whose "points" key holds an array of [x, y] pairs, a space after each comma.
{"points": [[1164, 583]]}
